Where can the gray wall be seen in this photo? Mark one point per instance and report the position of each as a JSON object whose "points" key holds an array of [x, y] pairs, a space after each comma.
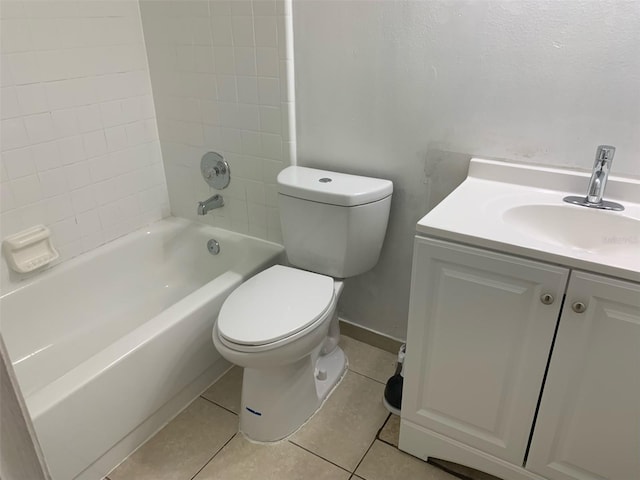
{"points": [[409, 91]]}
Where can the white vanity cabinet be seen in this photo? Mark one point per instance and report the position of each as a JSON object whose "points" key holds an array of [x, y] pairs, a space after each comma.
{"points": [[588, 427], [520, 363], [480, 335], [478, 342]]}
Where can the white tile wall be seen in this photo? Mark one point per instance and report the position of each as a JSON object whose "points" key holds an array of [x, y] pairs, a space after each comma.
{"points": [[219, 74], [79, 141]]}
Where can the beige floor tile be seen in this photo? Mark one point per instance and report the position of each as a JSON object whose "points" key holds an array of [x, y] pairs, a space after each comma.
{"points": [[226, 391], [183, 447], [462, 470], [346, 425], [390, 433], [384, 462], [243, 460], [367, 360]]}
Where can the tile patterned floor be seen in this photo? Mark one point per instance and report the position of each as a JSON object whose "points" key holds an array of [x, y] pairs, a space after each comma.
{"points": [[351, 437]]}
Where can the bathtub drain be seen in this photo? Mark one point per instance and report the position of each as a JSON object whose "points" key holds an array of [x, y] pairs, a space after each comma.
{"points": [[213, 246]]}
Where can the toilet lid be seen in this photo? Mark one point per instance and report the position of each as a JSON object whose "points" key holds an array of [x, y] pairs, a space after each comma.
{"points": [[273, 305]]}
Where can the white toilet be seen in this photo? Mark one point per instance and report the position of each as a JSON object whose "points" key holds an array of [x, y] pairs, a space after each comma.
{"points": [[281, 325]]}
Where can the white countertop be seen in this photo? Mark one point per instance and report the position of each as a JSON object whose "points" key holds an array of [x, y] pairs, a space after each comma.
{"points": [[518, 209]]}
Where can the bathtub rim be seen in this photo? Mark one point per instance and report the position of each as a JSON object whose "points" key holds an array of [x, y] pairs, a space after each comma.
{"points": [[163, 224]]}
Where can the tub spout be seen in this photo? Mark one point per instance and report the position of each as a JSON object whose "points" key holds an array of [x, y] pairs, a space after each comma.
{"points": [[210, 204]]}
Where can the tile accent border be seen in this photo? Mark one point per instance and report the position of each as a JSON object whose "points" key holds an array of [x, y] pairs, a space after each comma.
{"points": [[370, 337]]}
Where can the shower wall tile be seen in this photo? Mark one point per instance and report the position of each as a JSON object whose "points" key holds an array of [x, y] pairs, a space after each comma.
{"points": [[79, 143], [219, 73]]}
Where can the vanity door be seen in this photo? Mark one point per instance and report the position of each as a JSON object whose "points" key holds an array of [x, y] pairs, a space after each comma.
{"points": [[588, 426], [481, 325]]}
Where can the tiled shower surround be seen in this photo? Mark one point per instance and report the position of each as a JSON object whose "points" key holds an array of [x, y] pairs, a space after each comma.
{"points": [[219, 76], [80, 150]]}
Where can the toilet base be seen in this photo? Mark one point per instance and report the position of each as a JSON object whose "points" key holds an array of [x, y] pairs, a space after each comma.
{"points": [[277, 401]]}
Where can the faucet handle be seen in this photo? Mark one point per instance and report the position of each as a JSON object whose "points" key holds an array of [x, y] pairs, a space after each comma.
{"points": [[604, 155], [215, 170]]}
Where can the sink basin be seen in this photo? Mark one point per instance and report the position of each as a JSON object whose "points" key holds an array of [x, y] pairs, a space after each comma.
{"points": [[595, 231], [518, 209]]}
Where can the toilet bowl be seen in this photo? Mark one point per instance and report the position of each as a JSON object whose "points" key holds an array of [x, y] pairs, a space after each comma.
{"points": [[282, 325], [290, 360]]}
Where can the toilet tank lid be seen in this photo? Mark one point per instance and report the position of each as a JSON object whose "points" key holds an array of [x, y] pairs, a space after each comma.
{"points": [[331, 187]]}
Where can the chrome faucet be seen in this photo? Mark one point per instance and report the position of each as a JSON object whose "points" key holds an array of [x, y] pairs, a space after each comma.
{"points": [[598, 182], [601, 167], [210, 204]]}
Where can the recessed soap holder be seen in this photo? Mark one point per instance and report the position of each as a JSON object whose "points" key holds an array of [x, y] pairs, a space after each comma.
{"points": [[29, 249]]}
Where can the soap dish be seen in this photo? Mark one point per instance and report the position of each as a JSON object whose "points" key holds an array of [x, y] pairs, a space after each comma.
{"points": [[29, 249]]}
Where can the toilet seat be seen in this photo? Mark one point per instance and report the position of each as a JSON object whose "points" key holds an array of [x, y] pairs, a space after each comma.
{"points": [[274, 307]]}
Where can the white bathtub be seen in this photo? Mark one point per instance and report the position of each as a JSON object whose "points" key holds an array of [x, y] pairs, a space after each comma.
{"points": [[109, 346]]}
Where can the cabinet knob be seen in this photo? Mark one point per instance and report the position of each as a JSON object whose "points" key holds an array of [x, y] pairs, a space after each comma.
{"points": [[578, 307], [547, 298]]}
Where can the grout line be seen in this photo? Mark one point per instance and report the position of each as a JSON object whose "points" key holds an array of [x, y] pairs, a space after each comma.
{"points": [[382, 427], [217, 405], [387, 443], [366, 376], [365, 454], [380, 431], [217, 452], [319, 456]]}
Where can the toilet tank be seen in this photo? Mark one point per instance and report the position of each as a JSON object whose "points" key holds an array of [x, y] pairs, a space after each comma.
{"points": [[332, 223]]}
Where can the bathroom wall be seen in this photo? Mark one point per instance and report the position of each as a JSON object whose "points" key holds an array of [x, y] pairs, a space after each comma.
{"points": [[411, 90], [80, 150], [219, 74]]}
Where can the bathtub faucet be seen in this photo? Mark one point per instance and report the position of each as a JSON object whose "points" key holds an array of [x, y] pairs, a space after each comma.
{"points": [[210, 204]]}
